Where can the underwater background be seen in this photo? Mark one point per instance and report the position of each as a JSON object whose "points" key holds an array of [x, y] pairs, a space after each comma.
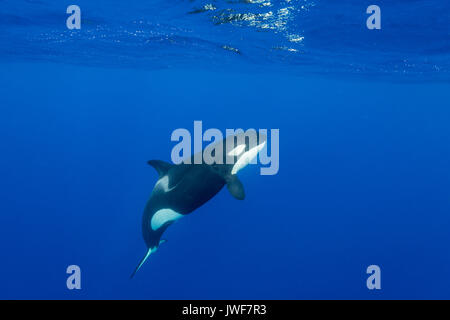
{"points": [[364, 147]]}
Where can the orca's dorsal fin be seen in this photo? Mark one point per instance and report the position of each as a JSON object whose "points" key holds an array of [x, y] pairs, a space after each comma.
{"points": [[235, 187], [160, 166]]}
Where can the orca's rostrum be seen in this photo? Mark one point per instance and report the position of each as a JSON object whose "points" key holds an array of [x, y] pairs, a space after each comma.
{"points": [[182, 188]]}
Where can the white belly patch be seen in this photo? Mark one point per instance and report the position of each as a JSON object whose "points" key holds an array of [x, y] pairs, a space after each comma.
{"points": [[163, 216]]}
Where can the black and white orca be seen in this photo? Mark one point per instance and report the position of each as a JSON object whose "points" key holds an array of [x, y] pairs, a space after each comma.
{"points": [[183, 188]]}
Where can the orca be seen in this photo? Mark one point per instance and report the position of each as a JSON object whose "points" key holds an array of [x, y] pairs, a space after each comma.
{"points": [[183, 188]]}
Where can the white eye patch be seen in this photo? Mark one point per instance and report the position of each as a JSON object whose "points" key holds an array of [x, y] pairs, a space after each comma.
{"points": [[247, 157], [237, 151]]}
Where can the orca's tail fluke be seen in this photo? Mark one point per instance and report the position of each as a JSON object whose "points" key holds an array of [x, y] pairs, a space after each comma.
{"points": [[149, 252]]}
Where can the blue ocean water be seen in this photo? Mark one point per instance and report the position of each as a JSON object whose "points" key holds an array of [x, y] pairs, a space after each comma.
{"points": [[364, 147]]}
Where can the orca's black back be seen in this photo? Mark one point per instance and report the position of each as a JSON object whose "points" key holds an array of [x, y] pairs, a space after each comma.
{"points": [[190, 186]]}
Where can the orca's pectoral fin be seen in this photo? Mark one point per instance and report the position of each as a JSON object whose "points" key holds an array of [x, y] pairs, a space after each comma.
{"points": [[235, 187], [160, 166]]}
